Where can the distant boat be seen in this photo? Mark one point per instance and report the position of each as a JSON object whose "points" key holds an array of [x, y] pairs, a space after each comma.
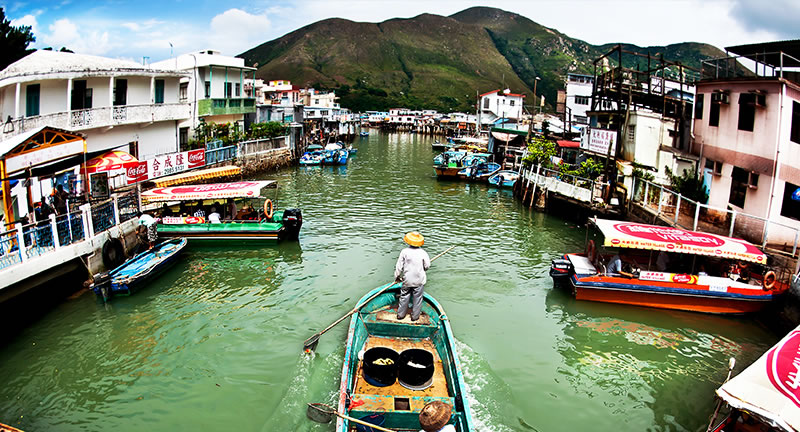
{"points": [[439, 146], [364, 134], [505, 178]]}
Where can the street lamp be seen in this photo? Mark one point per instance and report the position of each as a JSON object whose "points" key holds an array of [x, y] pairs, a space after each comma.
{"points": [[536, 81]]}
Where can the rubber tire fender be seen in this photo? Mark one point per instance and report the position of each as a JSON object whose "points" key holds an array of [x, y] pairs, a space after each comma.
{"points": [[113, 253]]}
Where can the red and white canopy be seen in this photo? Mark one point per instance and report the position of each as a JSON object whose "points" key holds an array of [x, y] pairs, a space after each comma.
{"points": [[653, 237], [111, 160], [244, 189], [770, 387]]}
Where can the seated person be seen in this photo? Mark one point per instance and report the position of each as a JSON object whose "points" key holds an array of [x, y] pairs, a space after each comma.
{"points": [[246, 213], [615, 266], [213, 217], [662, 262]]}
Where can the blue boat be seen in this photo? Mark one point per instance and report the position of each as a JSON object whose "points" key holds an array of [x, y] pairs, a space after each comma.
{"points": [[134, 273], [312, 156], [475, 158], [364, 134], [335, 154], [344, 154], [480, 171], [505, 178]]}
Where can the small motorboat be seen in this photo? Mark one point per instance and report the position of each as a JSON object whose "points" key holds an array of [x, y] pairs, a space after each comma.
{"points": [[392, 367], [313, 155], [480, 171], [134, 273], [332, 154], [504, 178], [364, 134]]}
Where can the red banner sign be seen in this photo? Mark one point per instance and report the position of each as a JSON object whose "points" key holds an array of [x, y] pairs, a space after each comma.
{"points": [[167, 164]]}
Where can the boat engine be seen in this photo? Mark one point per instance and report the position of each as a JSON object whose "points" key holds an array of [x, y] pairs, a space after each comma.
{"points": [[292, 221], [560, 269]]}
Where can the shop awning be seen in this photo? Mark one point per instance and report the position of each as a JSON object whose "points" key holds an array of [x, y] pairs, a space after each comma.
{"points": [[110, 161], [770, 388], [198, 176], [568, 144], [653, 237], [244, 189]]}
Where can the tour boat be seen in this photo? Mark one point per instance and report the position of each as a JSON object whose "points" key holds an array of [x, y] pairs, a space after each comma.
{"points": [[480, 171], [132, 274], [766, 395], [504, 178], [392, 367], [252, 223], [707, 272]]}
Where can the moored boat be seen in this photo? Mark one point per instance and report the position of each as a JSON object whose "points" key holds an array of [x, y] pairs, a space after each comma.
{"points": [[364, 134], [393, 368], [670, 268], [504, 178], [480, 171], [137, 271], [249, 223], [313, 155], [439, 145]]}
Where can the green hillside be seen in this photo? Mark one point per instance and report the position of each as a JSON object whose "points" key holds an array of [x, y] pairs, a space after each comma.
{"points": [[437, 62]]}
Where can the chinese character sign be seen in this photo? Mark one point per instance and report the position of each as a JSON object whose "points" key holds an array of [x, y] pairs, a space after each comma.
{"points": [[599, 141], [167, 164]]}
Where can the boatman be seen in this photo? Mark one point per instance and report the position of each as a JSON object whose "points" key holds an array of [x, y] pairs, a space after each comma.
{"points": [[410, 270]]}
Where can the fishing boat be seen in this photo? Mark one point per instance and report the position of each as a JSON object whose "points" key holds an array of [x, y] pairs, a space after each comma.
{"points": [[393, 368], [254, 220], [765, 395], [449, 163], [504, 178], [480, 171], [475, 158], [439, 145], [364, 134], [335, 154], [137, 271], [669, 268], [313, 155]]}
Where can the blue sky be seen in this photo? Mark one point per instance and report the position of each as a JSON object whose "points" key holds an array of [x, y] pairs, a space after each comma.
{"points": [[135, 29]]}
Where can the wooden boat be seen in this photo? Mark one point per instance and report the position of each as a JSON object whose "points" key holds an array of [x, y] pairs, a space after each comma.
{"points": [[504, 178], [702, 280], [765, 395], [396, 392], [264, 224], [439, 145], [137, 271], [480, 171], [313, 155]]}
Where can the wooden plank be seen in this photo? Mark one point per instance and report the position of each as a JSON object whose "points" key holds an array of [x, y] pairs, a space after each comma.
{"points": [[390, 315]]}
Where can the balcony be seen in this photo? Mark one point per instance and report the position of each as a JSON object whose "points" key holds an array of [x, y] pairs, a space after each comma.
{"points": [[78, 120], [227, 106]]}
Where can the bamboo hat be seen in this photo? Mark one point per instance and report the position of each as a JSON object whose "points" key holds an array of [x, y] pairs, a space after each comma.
{"points": [[434, 416], [414, 239]]}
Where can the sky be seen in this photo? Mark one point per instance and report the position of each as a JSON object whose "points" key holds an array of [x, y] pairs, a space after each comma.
{"points": [[158, 29]]}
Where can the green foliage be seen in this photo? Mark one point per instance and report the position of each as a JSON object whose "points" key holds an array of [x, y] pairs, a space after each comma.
{"points": [[688, 185], [642, 174], [590, 169], [266, 130], [540, 152], [14, 41]]}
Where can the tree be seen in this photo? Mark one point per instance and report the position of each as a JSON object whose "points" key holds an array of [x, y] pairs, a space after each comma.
{"points": [[14, 41], [689, 185], [540, 151]]}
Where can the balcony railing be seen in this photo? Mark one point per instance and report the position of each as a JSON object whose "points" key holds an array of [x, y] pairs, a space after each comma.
{"points": [[207, 107], [99, 117]]}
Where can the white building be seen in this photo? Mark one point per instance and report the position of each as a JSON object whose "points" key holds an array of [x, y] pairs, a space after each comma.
{"points": [[578, 97], [214, 88], [115, 104], [500, 106]]}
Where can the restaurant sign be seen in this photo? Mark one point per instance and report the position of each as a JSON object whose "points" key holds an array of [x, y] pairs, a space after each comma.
{"points": [[599, 140], [167, 164]]}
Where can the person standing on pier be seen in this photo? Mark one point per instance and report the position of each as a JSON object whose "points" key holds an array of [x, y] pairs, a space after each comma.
{"points": [[410, 270]]}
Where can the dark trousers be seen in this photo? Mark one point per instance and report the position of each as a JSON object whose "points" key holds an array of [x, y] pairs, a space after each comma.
{"points": [[416, 305]]}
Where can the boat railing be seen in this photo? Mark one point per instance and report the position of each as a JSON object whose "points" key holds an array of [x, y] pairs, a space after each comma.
{"points": [[9, 249], [690, 214]]}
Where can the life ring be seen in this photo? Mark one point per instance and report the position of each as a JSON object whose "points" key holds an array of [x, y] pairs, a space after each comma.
{"points": [[269, 208], [591, 251], [769, 280]]}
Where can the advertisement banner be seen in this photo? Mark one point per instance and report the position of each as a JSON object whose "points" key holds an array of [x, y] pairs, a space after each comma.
{"points": [[599, 141], [167, 164]]}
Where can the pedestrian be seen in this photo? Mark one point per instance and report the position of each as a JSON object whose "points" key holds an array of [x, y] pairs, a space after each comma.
{"points": [[434, 417], [410, 270], [59, 197]]}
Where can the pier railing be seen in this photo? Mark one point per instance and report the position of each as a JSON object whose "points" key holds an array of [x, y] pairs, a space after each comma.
{"points": [[261, 146], [689, 214], [575, 187]]}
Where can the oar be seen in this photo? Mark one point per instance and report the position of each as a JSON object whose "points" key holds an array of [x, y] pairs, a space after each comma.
{"points": [[321, 413], [311, 343]]}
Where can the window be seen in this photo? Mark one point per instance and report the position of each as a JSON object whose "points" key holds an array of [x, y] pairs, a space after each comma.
{"points": [[714, 166], [698, 107], [486, 103], [238, 89], [183, 91], [183, 137], [120, 92], [208, 89], [739, 179], [713, 115], [582, 100], [228, 87], [791, 201], [631, 133], [795, 134], [747, 111], [511, 103], [159, 96], [32, 100], [81, 96]]}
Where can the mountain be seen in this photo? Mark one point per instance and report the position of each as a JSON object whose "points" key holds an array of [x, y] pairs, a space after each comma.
{"points": [[438, 62]]}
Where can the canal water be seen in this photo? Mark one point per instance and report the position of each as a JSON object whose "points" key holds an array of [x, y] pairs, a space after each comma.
{"points": [[215, 343]]}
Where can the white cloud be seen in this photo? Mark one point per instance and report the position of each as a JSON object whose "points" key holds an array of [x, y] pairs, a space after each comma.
{"points": [[81, 39], [235, 31], [27, 20]]}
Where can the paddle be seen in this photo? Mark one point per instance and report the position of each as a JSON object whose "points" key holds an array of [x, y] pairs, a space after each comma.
{"points": [[321, 413], [311, 343]]}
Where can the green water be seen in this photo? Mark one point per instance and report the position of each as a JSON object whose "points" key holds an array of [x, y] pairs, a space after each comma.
{"points": [[215, 342]]}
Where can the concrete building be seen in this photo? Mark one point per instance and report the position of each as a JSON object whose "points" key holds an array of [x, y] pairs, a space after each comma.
{"points": [[747, 134], [578, 98], [500, 106]]}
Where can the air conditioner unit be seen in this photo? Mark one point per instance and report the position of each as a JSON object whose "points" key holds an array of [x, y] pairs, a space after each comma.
{"points": [[720, 97], [761, 99]]}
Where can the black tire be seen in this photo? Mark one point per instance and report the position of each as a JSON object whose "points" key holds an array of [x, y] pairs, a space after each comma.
{"points": [[113, 253]]}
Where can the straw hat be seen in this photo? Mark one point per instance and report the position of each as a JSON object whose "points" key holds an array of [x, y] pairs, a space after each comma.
{"points": [[414, 239], [434, 416]]}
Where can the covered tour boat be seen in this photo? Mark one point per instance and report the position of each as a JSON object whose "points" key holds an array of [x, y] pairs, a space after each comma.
{"points": [[393, 368], [669, 268], [255, 218], [766, 395]]}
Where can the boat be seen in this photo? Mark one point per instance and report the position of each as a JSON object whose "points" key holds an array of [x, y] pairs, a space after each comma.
{"points": [[449, 163], [137, 271], [480, 171], [364, 134], [504, 178], [393, 368], [256, 219], [313, 155], [335, 154], [475, 158], [439, 145], [352, 150], [765, 395], [701, 272]]}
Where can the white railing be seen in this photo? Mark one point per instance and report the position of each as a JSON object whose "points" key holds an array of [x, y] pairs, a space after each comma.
{"points": [[575, 187], [261, 146], [690, 214]]}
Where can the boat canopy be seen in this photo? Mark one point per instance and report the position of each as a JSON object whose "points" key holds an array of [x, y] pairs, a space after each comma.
{"points": [[653, 237], [333, 146], [770, 388], [314, 147], [244, 189]]}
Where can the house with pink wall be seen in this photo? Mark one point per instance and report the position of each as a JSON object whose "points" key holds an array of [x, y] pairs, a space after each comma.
{"points": [[747, 135]]}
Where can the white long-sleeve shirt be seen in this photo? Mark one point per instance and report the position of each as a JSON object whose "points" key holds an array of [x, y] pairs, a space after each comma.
{"points": [[411, 265]]}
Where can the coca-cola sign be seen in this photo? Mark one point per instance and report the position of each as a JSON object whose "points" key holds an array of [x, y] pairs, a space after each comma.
{"points": [[137, 172], [197, 158], [783, 367]]}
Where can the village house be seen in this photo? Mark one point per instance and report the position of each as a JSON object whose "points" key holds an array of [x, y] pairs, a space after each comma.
{"points": [[499, 107], [578, 97]]}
